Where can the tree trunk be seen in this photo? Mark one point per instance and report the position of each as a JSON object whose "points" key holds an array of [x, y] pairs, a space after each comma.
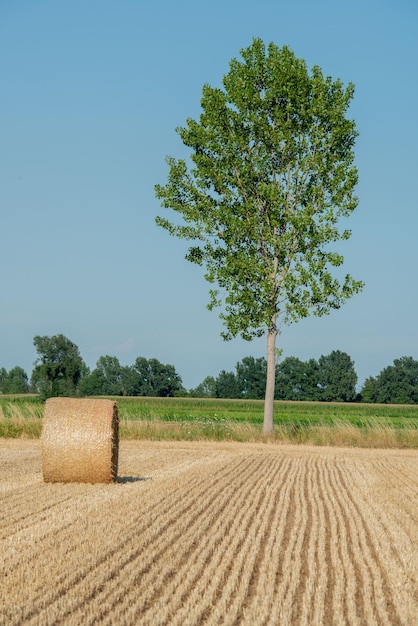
{"points": [[271, 380]]}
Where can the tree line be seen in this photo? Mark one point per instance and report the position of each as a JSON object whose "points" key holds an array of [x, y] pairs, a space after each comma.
{"points": [[331, 378], [60, 370]]}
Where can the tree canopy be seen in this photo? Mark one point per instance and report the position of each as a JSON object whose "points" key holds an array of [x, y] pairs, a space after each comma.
{"points": [[251, 377], [206, 389], [297, 379], [270, 176], [14, 381], [337, 378], [108, 378], [155, 378], [58, 368], [146, 377], [395, 384], [331, 378]]}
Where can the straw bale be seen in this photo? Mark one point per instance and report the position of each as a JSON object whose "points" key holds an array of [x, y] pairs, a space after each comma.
{"points": [[80, 440]]}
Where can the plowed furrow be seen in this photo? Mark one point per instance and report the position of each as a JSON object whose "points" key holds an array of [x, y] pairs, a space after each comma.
{"points": [[377, 599], [403, 488], [403, 469], [322, 612], [393, 548], [146, 537], [69, 547], [267, 570], [182, 555], [82, 508], [312, 603], [25, 518], [345, 602], [226, 581], [398, 489], [288, 576], [215, 535]]}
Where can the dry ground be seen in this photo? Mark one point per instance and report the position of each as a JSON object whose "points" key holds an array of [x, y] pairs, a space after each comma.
{"points": [[212, 533]]}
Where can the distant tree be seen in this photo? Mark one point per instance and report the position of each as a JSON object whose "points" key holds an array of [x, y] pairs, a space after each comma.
{"points": [[15, 381], [369, 391], [105, 379], [290, 374], [111, 371], [337, 378], [206, 389], [59, 367], [251, 377], [296, 379], [153, 378], [129, 381], [272, 173], [92, 384], [227, 385], [3, 374], [398, 383]]}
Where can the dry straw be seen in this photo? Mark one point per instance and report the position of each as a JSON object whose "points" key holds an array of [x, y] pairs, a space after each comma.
{"points": [[80, 441]]}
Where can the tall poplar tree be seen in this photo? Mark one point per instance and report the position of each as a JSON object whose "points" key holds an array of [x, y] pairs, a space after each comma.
{"points": [[271, 172]]}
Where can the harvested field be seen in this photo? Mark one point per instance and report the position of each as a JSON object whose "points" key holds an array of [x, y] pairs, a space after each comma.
{"points": [[212, 533]]}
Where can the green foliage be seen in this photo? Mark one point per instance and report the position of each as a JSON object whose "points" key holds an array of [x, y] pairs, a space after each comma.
{"points": [[3, 374], [272, 173], [107, 379], [155, 378], [369, 390], [227, 385], [396, 384], [297, 380], [251, 376], [317, 423], [251, 411], [206, 389], [21, 416], [25, 405], [58, 368], [248, 381], [15, 381], [337, 378], [331, 379], [146, 377]]}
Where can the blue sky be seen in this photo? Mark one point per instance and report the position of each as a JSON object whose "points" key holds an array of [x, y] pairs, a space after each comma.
{"points": [[91, 94]]}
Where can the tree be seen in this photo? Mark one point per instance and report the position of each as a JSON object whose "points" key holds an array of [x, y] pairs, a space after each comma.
{"points": [[398, 383], [3, 374], [337, 378], [251, 377], [105, 380], [227, 385], [271, 174], [206, 389], [155, 379], [58, 368], [15, 381], [369, 390], [93, 384], [129, 381], [296, 379]]}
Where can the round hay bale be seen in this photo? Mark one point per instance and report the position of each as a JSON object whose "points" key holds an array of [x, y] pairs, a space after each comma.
{"points": [[80, 440]]}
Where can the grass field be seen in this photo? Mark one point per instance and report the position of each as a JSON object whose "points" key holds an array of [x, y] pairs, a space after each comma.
{"points": [[315, 423], [212, 533]]}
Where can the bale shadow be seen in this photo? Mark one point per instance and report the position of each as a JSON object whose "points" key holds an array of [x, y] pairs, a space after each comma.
{"points": [[131, 479]]}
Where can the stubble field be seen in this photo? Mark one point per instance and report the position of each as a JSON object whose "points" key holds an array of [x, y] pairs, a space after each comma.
{"points": [[212, 533]]}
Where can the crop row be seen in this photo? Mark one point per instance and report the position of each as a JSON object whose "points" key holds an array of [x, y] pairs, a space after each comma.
{"points": [[206, 533]]}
